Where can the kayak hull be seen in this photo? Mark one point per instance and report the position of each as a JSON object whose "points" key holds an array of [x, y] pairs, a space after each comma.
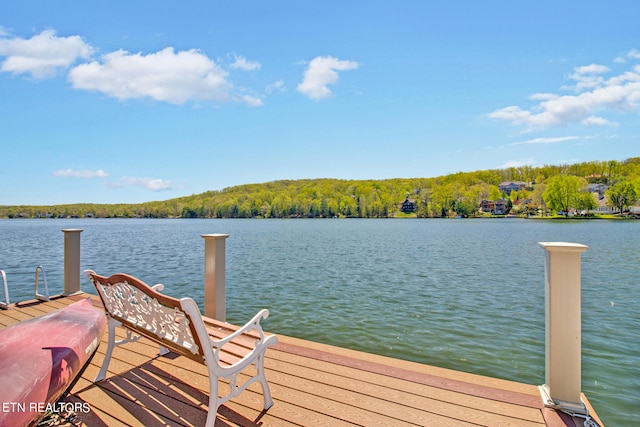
{"points": [[41, 357]]}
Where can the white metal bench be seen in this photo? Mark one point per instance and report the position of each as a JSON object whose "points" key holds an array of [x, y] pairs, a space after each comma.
{"points": [[177, 325]]}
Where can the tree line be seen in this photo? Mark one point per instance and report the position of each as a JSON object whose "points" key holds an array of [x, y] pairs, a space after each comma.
{"points": [[548, 188]]}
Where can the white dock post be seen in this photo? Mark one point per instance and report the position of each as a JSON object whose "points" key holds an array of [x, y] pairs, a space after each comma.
{"points": [[71, 261], [563, 324], [215, 304]]}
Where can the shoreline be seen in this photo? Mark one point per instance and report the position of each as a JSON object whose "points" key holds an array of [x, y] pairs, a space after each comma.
{"points": [[492, 217]]}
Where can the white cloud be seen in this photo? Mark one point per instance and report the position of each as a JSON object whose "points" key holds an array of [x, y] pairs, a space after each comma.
{"points": [[543, 96], [276, 86], [153, 184], [597, 121], [320, 73], [516, 163], [166, 75], [587, 77], [547, 140], [42, 55], [619, 93], [243, 64], [162, 76], [71, 173], [592, 69], [251, 101], [634, 54]]}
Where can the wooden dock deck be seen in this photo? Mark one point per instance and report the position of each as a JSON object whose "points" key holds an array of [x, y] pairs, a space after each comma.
{"points": [[312, 385]]}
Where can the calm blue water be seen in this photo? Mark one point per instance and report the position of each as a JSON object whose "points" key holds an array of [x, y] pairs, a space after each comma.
{"points": [[461, 294]]}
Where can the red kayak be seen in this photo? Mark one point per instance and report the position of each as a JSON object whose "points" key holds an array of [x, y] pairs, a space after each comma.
{"points": [[41, 357]]}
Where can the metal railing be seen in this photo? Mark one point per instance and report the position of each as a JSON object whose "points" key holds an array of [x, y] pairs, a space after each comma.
{"points": [[5, 304], [42, 297]]}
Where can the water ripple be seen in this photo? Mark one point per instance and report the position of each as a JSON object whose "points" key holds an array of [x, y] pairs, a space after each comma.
{"points": [[466, 295]]}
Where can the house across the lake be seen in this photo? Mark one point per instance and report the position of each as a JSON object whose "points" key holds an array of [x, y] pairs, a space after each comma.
{"points": [[598, 189], [496, 207], [508, 186], [408, 206]]}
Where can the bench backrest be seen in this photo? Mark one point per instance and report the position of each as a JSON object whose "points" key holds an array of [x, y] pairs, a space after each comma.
{"points": [[150, 313]]}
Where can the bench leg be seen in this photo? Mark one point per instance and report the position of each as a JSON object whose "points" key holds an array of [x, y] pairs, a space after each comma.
{"points": [[111, 343], [266, 391], [213, 400]]}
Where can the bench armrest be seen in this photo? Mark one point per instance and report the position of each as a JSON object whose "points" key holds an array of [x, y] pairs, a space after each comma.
{"points": [[251, 325]]}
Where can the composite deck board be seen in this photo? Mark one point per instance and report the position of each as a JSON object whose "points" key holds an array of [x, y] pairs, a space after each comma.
{"points": [[312, 384]]}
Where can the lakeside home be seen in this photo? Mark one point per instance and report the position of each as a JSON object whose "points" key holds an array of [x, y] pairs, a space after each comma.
{"points": [[508, 187]]}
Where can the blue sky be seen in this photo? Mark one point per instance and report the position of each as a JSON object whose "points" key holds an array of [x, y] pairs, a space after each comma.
{"points": [[126, 102]]}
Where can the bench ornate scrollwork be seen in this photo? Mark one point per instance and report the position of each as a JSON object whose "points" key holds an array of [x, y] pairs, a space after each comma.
{"points": [[177, 325]]}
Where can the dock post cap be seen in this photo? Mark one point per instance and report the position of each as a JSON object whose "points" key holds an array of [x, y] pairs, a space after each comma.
{"points": [[564, 246], [214, 236]]}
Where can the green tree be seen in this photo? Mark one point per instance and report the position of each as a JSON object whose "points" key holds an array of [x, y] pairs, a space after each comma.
{"points": [[562, 192], [622, 195], [586, 202], [614, 169]]}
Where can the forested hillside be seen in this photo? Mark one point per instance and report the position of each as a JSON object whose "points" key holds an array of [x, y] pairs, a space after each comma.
{"points": [[458, 194]]}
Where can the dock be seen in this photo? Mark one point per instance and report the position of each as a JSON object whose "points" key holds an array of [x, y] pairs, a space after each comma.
{"points": [[312, 384]]}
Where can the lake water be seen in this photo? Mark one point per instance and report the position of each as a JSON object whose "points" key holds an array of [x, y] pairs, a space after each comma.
{"points": [[461, 294]]}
